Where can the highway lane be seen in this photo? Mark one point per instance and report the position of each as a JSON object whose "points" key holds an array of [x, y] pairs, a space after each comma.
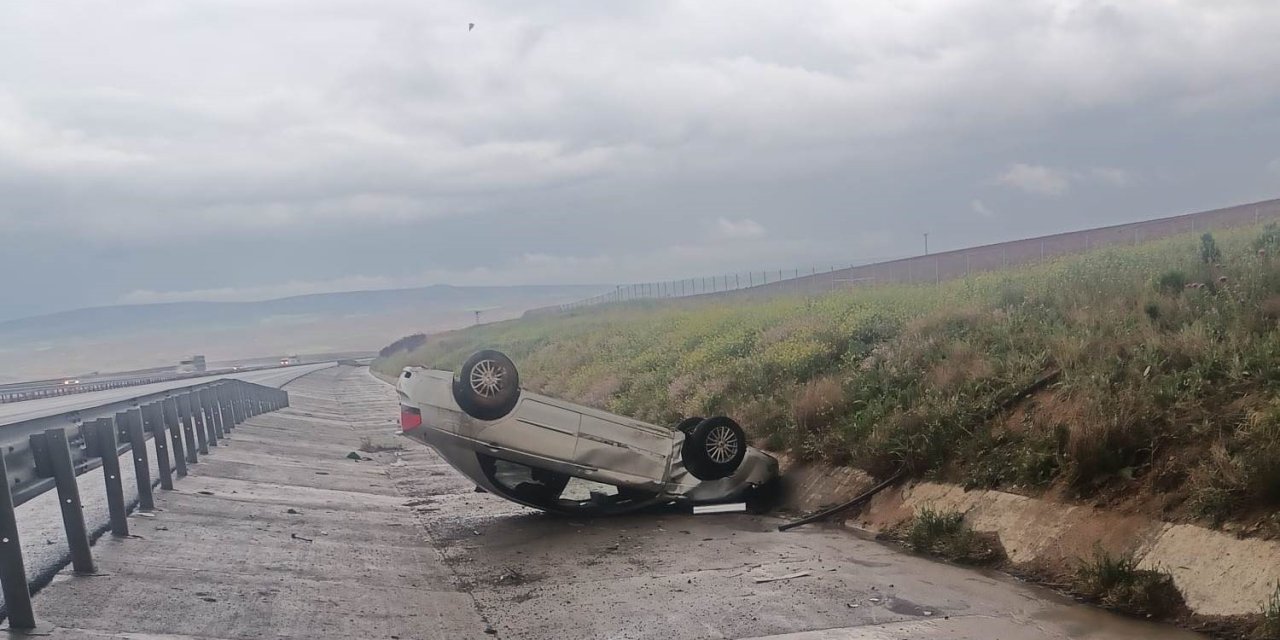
{"points": [[31, 409]]}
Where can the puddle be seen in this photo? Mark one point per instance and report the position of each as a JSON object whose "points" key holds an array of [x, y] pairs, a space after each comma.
{"points": [[909, 608]]}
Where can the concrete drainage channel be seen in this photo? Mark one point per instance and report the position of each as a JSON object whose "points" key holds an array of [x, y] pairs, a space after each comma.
{"points": [[44, 454]]}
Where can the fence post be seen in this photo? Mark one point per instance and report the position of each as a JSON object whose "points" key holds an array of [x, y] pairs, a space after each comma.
{"points": [[53, 444], [13, 573], [153, 419], [173, 420], [106, 447], [141, 466]]}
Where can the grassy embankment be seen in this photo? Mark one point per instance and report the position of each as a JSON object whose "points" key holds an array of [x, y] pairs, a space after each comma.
{"points": [[1168, 399]]}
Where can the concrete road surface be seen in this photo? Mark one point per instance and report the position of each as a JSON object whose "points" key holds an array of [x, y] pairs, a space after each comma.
{"points": [[31, 409], [279, 535]]}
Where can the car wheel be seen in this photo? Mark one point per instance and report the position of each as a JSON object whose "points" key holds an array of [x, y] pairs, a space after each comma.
{"points": [[688, 424], [488, 387], [714, 448]]}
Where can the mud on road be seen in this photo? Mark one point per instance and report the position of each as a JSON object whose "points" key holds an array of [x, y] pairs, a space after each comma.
{"points": [[668, 574]]}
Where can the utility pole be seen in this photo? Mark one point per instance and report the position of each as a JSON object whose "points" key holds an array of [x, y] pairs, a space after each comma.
{"points": [[926, 243]]}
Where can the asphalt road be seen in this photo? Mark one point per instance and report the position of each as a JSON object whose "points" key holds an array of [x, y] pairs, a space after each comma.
{"points": [[278, 534], [30, 409]]}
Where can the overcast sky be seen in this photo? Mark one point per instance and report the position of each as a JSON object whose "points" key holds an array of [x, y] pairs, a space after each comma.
{"points": [[244, 149]]}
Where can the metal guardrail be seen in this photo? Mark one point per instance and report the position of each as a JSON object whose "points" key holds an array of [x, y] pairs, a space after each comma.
{"points": [[50, 389], [21, 391], [49, 452]]}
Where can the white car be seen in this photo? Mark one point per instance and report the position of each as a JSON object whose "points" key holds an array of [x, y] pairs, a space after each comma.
{"points": [[528, 447]]}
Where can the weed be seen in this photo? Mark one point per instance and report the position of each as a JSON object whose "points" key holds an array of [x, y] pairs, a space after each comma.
{"points": [[1116, 582], [1269, 625], [946, 534]]}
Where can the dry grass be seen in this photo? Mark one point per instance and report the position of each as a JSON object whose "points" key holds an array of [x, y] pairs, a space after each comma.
{"points": [[817, 404]]}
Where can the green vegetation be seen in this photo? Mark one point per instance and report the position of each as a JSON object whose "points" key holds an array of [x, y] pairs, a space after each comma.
{"points": [[1269, 621], [1168, 385], [1118, 583], [947, 535]]}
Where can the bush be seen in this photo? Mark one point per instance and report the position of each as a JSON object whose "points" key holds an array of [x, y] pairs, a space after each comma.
{"points": [[1171, 282], [946, 534], [407, 343], [1209, 252], [1117, 583]]}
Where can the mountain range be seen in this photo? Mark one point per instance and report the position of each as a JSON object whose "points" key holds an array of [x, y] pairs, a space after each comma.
{"points": [[130, 336]]}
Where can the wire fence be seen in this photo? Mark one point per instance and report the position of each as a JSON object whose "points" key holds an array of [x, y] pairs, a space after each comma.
{"points": [[721, 283], [933, 267]]}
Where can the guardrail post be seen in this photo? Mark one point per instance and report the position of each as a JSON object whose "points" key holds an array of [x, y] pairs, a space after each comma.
{"points": [[195, 439], [153, 421], [173, 421], [224, 410], [250, 407], [53, 444], [197, 420], [103, 444], [200, 406], [233, 401], [214, 400], [13, 573], [206, 410], [246, 399], [132, 420], [251, 400]]}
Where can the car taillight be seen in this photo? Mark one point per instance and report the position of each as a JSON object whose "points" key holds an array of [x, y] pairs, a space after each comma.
{"points": [[410, 418]]}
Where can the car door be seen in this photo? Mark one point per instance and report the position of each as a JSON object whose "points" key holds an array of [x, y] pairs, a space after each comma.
{"points": [[613, 443], [537, 428]]}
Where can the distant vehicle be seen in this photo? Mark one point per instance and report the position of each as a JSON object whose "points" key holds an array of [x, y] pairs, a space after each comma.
{"points": [[194, 364], [71, 381], [527, 447], [288, 360]]}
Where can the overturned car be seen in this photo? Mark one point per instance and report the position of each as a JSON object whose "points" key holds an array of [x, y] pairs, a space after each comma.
{"points": [[565, 458]]}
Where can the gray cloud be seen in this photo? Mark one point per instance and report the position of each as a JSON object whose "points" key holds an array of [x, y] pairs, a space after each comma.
{"points": [[234, 149]]}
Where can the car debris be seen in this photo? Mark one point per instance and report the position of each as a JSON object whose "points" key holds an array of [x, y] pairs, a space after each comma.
{"points": [[566, 458], [789, 576]]}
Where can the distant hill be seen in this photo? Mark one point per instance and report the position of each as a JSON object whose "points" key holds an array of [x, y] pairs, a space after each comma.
{"points": [[129, 336]]}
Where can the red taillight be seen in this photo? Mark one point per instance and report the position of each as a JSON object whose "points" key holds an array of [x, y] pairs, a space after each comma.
{"points": [[410, 418]]}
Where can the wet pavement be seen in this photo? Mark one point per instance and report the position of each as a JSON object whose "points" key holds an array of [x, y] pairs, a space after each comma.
{"points": [[401, 546]]}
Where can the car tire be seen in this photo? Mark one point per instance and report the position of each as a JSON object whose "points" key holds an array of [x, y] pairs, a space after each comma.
{"points": [[488, 387], [714, 449], [689, 423]]}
